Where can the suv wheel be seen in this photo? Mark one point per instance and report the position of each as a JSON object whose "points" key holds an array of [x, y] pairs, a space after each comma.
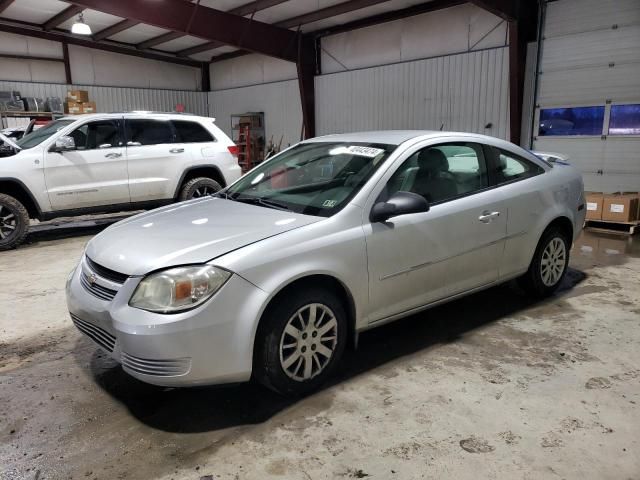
{"points": [[14, 222], [300, 342], [198, 187], [549, 264]]}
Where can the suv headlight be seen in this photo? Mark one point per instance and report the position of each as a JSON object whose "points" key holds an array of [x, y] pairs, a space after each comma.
{"points": [[178, 289]]}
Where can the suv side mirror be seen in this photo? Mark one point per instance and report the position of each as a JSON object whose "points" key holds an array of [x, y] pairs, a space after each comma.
{"points": [[64, 144], [400, 203]]}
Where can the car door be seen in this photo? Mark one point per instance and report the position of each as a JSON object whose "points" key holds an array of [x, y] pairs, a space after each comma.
{"points": [[94, 173], [456, 246], [153, 157]]}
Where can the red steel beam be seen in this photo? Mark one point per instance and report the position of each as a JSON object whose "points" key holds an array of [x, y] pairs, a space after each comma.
{"points": [[165, 37], [506, 9], [67, 63], [296, 21], [62, 17], [203, 22], [114, 29], [56, 36], [242, 10], [4, 4]]}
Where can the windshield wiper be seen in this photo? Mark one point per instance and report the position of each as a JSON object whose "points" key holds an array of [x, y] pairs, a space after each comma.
{"points": [[221, 194], [260, 201]]}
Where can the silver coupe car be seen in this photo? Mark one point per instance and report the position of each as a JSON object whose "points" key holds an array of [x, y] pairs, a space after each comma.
{"points": [[273, 276]]}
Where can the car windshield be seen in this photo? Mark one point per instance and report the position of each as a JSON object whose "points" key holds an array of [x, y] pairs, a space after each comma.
{"points": [[40, 135], [317, 178]]}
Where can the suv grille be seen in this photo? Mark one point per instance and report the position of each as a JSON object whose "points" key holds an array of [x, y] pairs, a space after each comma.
{"points": [[103, 338], [106, 273]]}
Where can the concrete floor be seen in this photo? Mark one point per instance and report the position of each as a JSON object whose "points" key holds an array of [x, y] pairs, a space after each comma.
{"points": [[491, 386]]}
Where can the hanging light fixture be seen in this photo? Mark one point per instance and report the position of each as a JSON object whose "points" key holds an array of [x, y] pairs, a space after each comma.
{"points": [[80, 27]]}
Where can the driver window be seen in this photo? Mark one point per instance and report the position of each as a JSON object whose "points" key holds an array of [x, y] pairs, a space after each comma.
{"points": [[442, 172], [94, 135]]}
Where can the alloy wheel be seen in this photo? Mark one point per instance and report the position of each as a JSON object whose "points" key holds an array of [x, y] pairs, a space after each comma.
{"points": [[553, 262], [203, 191], [8, 222], [308, 342]]}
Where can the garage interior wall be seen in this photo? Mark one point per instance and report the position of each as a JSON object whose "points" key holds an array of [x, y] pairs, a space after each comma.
{"points": [[591, 58], [133, 83], [445, 68]]}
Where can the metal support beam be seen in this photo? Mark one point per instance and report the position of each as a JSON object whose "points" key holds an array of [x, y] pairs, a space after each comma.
{"points": [[4, 4], [165, 37], [62, 17], [205, 82], [328, 12], [204, 22], [37, 32], [67, 63], [517, 60], [30, 57], [306, 66], [506, 9], [114, 29]]}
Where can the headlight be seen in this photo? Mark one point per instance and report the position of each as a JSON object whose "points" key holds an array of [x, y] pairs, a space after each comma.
{"points": [[178, 289]]}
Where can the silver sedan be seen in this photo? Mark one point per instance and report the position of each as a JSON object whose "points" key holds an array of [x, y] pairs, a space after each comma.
{"points": [[273, 276]]}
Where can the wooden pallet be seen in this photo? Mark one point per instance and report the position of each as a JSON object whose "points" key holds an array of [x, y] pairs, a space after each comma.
{"points": [[606, 226]]}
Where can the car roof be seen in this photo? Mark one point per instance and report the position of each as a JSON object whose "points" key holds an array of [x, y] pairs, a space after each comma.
{"points": [[394, 137], [141, 114]]}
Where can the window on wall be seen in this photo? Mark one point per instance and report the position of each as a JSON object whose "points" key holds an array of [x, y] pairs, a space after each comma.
{"points": [[624, 120], [571, 121]]}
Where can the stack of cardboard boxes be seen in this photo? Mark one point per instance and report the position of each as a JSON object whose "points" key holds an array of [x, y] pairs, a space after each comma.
{"points": [[77, 102], [613, 207]]}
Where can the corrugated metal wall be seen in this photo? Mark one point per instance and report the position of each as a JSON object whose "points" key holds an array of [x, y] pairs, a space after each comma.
{"points": [[591, 57], [115, 99], [280, 102], [464, 92]]}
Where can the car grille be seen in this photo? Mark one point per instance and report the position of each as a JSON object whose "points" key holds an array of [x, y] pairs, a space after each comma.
{"points": [[103, 338], [106, 273], [159, 368], [96, 290]]}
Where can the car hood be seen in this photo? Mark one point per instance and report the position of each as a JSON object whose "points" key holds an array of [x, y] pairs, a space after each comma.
{"points": [[191, 232]]}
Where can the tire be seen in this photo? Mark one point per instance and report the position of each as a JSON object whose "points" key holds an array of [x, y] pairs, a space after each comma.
{"points": [[296, 365], [14, 222], [198, 187], [549, 264]]}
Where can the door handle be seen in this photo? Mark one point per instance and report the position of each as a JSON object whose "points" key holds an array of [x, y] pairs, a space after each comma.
{"points": [[487, 216], [176, 150], [113, 155]]}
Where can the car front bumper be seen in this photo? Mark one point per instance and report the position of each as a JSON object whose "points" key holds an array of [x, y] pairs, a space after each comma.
{"points": [[210, 344]]}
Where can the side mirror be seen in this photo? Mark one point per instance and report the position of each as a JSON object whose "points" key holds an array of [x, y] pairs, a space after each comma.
{"points": [[400, 203], [64, 144]]}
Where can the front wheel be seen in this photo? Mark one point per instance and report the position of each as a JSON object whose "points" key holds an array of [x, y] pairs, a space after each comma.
{"points": [[549, 264], [14, 222], [301, 342]]}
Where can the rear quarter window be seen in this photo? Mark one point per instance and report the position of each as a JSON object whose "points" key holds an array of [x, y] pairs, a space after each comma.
{"points": [[191, 132]]}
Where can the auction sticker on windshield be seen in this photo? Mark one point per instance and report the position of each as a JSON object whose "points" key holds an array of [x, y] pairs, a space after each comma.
{"points": [[369, 152]]}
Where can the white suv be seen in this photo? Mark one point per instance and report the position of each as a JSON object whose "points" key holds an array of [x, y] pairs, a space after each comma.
{"points": [[110, 162]]}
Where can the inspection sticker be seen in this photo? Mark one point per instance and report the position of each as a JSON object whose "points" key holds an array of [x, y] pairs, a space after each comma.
{"points": [[369, 152]]}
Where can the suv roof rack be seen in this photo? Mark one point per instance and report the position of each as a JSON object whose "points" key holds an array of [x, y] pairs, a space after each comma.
{"points": [[156, 112]]}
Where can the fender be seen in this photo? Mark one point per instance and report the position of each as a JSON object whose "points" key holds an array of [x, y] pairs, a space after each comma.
{"points": [[192, 168], [27, 191]]}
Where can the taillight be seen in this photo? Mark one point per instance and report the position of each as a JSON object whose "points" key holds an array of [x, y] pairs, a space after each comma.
{"points": [[233, 150]]}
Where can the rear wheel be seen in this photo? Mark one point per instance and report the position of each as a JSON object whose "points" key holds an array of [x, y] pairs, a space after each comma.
{"points": [[549, 264], [300, 342], [14, 222], [198, 187]]}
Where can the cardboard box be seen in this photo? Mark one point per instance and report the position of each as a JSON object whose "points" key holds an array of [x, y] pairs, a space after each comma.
{"points": [[79, 96], [88, 107], [594, 201], [74, 108], [620, 207]]}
